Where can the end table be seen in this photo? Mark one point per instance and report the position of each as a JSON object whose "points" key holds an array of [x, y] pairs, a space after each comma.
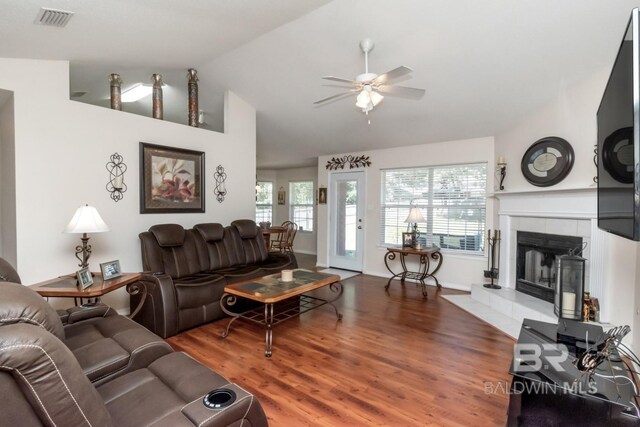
{"points": [[430, 259]]}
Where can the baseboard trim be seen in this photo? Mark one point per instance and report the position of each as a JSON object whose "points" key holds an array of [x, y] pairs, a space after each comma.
{"points": [[304, 252]]}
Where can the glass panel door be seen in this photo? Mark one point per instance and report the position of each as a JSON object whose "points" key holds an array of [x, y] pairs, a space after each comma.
{"points": [[346, 220]]}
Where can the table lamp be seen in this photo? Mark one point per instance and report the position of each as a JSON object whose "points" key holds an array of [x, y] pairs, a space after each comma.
{"points": [[415, 217], [85, 220]]}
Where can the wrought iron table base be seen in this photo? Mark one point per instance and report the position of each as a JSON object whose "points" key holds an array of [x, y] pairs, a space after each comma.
{"points": [[286, 309], [421, 275]]}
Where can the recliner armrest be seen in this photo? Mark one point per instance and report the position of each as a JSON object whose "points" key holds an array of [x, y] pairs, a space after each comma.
{"points": [[84, 312], [244, 407], [159, 312]]}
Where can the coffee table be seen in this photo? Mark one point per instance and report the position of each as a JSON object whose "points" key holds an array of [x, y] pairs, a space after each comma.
{"points": [[270, 291]]}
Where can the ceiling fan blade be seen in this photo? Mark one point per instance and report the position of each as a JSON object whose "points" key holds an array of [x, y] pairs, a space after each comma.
{"points": [[340, 79], [391, 75], [402, 91], [335, 97]]}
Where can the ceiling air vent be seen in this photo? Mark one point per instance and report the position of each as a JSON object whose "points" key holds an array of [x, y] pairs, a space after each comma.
{"points": [[53, 17]]}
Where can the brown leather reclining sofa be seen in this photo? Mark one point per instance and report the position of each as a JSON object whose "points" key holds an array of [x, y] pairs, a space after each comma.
{"points": [[93, 367], [187, 270]]}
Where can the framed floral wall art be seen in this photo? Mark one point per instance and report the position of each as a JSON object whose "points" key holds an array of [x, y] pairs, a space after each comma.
{"points": [[171, 179]]}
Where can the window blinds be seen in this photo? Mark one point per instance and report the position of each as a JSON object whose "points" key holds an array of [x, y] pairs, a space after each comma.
{"points": [[452, 199]]}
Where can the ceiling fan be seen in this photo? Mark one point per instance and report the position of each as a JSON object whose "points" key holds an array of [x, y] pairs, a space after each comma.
{"points": [[371, 87]]}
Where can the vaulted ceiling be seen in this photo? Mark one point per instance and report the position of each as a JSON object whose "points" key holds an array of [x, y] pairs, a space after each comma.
{"points": [[483, 64]]}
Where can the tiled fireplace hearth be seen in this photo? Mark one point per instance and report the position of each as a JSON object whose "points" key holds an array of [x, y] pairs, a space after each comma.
{"points": [[571, 213], [561, 212]]}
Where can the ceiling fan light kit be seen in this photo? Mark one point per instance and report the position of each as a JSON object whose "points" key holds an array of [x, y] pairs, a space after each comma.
{"points": [[368, 99], [370, 86]]}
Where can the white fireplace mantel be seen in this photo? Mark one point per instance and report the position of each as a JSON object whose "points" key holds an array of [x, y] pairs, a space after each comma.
{"points": [[564, 203], [570, 212]]}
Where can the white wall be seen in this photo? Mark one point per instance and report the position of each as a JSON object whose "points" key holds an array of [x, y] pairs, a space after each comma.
{"points": [[7, 179], [572, 116], [62, 147], [458, 271], [305, 241]]}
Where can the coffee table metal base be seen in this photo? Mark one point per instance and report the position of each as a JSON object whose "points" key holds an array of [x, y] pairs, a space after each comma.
{"points": [[268, 317]]}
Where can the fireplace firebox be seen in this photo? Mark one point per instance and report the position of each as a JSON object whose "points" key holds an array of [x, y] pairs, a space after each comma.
{"points": [[537, 261]]}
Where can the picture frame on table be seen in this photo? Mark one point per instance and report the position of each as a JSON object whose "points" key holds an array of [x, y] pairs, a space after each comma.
{"points": [[85, 279], [407, 240], [171, 179], [110, 270]]}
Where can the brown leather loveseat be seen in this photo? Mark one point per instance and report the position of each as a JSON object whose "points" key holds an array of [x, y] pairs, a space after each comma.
{"points": [[43, 380], [187, 270]]}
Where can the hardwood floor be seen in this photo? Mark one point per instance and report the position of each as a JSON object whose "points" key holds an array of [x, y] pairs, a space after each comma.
{"points": [[394, 360]]}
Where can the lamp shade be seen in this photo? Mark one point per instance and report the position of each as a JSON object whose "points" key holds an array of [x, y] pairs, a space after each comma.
{"points": [[367, 99], [86, 220], [415, 216]]}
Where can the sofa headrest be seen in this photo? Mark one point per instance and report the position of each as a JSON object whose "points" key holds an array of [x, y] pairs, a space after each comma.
{"points": [[168, 235], [19, 304], [246, 228], [210, 232], [8, 273], [52, 377]]}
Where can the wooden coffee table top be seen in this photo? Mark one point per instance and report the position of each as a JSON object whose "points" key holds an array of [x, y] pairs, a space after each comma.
{"points": [[270, 289], [66, 286]]}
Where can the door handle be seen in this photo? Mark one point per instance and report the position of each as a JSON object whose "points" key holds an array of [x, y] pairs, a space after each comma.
{"points": [[359, 227]]}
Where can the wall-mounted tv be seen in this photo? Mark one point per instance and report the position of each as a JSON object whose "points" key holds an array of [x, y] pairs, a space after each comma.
{"points": [[619, 141]]}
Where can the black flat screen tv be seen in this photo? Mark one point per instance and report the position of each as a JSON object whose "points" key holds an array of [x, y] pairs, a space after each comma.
{"points": [[619, 141]]}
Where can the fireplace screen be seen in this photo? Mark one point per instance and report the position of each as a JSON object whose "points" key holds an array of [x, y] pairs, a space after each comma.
{"points": [[537, 262]]}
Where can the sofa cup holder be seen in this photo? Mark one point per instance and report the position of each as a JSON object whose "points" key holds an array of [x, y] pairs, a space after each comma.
{"points": [[219, 398]]}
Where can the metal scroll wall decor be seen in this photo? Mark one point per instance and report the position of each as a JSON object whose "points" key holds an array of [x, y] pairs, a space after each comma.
{"points": [[220, 176], [353, 162], [193, 97], [595, 162], [501, 172], [116, 91], [116, 186], [156, 79]]}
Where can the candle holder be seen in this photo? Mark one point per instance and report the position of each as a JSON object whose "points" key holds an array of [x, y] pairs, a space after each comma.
{"points": [[116, 186], [221, 190], [570, 287], [501, 172]]}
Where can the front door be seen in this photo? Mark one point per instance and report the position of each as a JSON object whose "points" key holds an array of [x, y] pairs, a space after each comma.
{"points": [[346, 220]]}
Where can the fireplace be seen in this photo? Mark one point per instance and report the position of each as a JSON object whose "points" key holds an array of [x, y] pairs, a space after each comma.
{"points": [[536, 261]]}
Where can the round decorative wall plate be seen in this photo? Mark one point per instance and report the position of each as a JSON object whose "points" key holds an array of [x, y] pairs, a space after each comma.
{"points": [[548, 161], [617, 155]]}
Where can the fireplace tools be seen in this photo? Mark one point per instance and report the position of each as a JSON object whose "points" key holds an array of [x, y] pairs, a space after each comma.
{"points": [[494, 252]]}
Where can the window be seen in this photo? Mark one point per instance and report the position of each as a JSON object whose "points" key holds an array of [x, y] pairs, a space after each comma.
{"points": [[452, 200], [301, 204], [264, 201]]}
